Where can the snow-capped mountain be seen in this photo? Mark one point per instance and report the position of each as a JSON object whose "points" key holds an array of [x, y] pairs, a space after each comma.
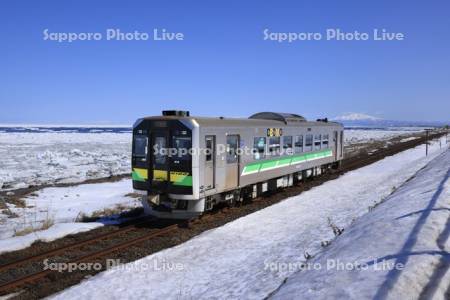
{"points": [[356, 117], [365, 120]]}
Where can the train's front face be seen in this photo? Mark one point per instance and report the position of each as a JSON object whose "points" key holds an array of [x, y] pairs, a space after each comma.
{"points": [[162, 162]]}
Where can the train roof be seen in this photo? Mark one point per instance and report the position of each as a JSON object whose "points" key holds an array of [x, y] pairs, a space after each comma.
{"points": [[282, 117], [264, 119]]}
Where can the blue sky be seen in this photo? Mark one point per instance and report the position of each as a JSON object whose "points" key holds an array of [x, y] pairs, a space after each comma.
{"points": [[223, 66]]}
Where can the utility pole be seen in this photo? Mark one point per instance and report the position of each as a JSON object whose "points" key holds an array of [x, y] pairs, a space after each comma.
{"points": [[426, 142], [446, 135]]}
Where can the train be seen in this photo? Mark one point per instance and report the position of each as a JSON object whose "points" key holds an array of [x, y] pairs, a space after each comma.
{"points": [[183, 166]]}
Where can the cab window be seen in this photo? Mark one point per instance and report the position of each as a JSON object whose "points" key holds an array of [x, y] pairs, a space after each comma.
{"points": [[160, 150], [209, 149], [140, 147], [232, 149], [182, 145]]}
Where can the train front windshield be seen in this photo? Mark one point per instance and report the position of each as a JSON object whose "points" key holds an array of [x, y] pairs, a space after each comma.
{"points": [[140, 148], [182, 145]]}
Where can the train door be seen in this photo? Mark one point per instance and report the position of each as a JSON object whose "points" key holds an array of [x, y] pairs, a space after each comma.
{"points": [[232, 162], [210, 162], [159, 159], [336, 144]]}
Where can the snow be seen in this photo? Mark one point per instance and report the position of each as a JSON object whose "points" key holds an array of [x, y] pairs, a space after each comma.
{"points": [[10, 296], [235, 261], [356, 117], [30, 158], [67, 205], [358, 136], [54, 232], [409, 230], [412, 138]]}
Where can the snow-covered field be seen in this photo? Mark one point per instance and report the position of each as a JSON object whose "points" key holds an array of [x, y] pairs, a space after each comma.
{"points": [[62, 205], [247, 258], [358, 136], [43, 156]]}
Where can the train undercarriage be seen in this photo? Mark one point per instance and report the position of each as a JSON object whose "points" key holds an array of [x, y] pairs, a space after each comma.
{"points": [[163, 206]]}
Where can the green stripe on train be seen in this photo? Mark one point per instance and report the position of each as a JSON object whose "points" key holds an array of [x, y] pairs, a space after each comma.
{"points": [[268, 165], [256, 167], [252, 168]]}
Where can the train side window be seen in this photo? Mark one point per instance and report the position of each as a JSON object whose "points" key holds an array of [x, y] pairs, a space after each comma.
{"points": [[274, 146], [317, 138], [287, 145], [298, 144], [259, 147], [325, 138], [308, 142], [232, 149]]}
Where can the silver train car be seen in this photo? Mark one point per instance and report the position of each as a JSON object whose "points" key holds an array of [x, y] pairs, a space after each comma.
{"points": [[183, 166]]}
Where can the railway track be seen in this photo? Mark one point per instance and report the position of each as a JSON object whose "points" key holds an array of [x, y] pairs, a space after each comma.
{"points": [[359, 161], [56, 251], [20, 281], [33, 277]]}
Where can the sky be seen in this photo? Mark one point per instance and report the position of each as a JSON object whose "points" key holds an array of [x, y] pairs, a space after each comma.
{"points": [[223, 66]]}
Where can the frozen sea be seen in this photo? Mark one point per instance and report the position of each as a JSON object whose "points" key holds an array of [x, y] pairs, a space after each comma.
{"points": [[47, 155]]}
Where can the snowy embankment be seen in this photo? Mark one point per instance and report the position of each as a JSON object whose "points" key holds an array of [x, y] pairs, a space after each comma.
{"points": [[398, 251], [61, 205], [247, 258], [56, 231]]}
